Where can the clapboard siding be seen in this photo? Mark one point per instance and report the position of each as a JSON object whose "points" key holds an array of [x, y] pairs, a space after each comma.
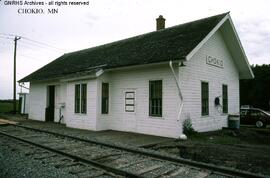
{"points": [[137, 79], [195, 71], [38, 99], [83, 121], [37, 96]]}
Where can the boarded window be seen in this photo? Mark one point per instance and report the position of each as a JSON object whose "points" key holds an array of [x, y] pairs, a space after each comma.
{"points": [[225, 98], [80, 98], [83, 98], [155, 98], [130, 101], [77, 98], [105, 98], [205, 98]]}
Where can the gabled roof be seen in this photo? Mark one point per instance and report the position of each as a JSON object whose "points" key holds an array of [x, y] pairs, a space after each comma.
{"points": [[233, 43], [173, 43]]}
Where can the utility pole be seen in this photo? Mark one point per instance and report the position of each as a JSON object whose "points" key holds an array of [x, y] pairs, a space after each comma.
{"points": [[14, 81]]}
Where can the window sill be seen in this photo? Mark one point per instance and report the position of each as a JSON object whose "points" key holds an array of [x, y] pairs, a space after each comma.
{"points": [[80, 114], [130, 112], [156, 117], [205, 116]]}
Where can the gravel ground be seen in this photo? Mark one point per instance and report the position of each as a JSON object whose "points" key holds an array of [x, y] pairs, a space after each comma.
{"points": [[108, 136], [134, 163], [15, 164], [247, 149]]}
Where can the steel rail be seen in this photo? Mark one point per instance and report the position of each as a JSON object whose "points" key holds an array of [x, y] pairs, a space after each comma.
{"points": [[154, 154], [77, 158]]}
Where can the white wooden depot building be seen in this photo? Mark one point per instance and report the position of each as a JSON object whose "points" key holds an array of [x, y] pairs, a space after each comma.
{"points": [[148, 83]]}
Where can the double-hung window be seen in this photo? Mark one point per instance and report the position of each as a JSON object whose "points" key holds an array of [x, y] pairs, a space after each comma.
{"points": [[225, 98], [155, 98], [105, 98], [205, 98], [80, 98], [77, 98]]}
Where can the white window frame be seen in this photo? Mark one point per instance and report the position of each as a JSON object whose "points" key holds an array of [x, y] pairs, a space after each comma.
{"points": [[80, 103]]}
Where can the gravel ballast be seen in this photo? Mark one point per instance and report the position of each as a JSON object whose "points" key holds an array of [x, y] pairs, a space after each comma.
{"points": [[15, 164]]}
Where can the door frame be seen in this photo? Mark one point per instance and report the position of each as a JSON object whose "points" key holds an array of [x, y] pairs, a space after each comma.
{"points": [[50, 106]]}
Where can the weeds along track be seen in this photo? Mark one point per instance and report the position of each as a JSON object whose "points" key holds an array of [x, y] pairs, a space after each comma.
{"points": [[112, 160]]}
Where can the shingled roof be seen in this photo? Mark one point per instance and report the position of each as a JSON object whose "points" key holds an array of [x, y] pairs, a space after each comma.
{"points": [[172, 43]]}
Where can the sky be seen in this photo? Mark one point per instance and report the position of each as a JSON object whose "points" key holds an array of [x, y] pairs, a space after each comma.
{"points": [[48, 36]]}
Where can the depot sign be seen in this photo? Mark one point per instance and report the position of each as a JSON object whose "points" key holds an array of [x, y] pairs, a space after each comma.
{"points": [[214, 61]]}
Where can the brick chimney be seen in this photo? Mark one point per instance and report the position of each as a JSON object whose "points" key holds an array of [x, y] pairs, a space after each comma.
{"points": [[160, 23]]}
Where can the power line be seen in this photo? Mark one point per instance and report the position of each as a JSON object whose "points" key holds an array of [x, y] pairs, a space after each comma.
{"points": [[27, 44], [4, 46], [30, 45], [34, 41], [8, 34], [6, 37], [3, 43], [30, 57], [42, 43]]}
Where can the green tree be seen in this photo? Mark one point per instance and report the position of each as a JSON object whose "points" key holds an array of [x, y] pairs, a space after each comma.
{"points": [[256, 92]]}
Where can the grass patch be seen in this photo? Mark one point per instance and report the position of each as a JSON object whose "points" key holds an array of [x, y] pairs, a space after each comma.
{"points": [[6, 107], [222, 137], [225, 140], [198, 137], [261, 130]]}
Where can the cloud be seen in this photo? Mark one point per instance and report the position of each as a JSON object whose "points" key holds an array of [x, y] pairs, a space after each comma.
{"points": [[255, 37], [91, 19]]}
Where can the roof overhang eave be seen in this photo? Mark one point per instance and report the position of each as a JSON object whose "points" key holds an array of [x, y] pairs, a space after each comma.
{"points": [[248, 74], [68, 77], [208, 36], [93, 75], [71, 79]]}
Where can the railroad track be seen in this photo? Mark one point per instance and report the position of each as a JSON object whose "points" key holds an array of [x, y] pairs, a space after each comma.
{"points": [[59, 161], [118, 160]]}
